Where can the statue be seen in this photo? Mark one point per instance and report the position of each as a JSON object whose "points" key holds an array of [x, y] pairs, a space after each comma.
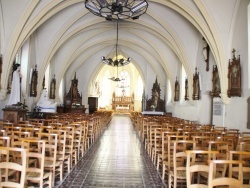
{"points": [[155, 98], [45, 103], [15, 95]]}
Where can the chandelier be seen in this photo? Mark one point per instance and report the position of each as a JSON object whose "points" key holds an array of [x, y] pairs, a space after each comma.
{"points": [[116, 79], [116, 62], [117, 9]]}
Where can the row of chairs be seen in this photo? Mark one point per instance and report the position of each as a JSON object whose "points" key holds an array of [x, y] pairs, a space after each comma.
{"points": [[50, 149], [159, 134]]}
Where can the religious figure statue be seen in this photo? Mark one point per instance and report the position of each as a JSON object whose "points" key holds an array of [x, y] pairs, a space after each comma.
{"points": [[234, 76], [45, 103], [53, 88], [33, 82], [155, 97], [196, 86], [15, 95], [74, 91]]}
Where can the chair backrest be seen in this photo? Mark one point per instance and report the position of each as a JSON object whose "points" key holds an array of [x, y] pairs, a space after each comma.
{"points": [[61, 143], [51, 151], [171, 140], [214, 180], [5, 141], [244, 146], [241, 156], [3, 132], [223, 148], [70, 133], [19, 167], [77, 137], [35, 172], [16, 135], [178, 161], [197, 162], [201, 142], [164, 140]]}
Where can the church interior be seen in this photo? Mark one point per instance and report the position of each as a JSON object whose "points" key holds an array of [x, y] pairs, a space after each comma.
{"points": [[83, 67]]}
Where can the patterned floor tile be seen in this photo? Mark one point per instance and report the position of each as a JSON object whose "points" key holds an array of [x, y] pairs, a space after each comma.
{"points": [[117, 159]]}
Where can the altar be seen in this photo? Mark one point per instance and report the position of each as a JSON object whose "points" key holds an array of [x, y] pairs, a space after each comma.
{"points": [[153, 113], [122, 104]]}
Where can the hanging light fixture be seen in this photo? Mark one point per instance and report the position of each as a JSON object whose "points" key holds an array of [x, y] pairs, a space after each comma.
{"points": [[116, 62], [116, 79], [117, 9]]}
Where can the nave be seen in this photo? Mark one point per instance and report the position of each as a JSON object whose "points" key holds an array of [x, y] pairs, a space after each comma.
{"points": [[117, 159]]}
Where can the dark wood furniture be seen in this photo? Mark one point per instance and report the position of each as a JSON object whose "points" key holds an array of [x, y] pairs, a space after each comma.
{"points": [[73, 99], [60, 109], [93, 104], [74, 109], [14, 114], [156, 101]]}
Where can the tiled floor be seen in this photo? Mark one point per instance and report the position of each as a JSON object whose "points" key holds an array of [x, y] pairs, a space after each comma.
{"points": [[117, 159]]}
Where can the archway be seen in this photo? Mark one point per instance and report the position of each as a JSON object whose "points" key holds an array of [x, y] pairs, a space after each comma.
{"points": [[104, 87]]}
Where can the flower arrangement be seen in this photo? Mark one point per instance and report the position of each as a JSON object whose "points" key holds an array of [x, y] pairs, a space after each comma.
{"points": [[152, 107], [23, 105]]}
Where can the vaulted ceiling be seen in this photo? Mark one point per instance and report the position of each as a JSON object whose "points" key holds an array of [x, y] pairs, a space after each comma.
{"points": [[66, 34]]}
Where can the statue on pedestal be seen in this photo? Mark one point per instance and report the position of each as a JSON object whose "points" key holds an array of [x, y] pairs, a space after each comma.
{"points": [[15, 94]]}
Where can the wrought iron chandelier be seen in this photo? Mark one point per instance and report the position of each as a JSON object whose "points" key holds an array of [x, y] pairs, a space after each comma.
{"points": [[117, 9], [116, 62]]}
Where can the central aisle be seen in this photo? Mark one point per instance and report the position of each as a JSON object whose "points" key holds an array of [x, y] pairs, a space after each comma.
{"points": [[117, 159]]}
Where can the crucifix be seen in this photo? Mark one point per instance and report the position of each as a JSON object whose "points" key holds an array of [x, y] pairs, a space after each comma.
{"points": [[206, 53]]}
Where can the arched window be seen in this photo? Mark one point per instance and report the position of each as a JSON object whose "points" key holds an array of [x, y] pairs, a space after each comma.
{"points": [[139, 88], [169, 92], [182, 84], [105, 86], [123, 87], [47, 78]]}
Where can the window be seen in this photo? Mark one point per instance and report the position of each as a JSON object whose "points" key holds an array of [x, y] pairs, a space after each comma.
{"points": [[105, 90], [182, 84], [123, 87]]}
